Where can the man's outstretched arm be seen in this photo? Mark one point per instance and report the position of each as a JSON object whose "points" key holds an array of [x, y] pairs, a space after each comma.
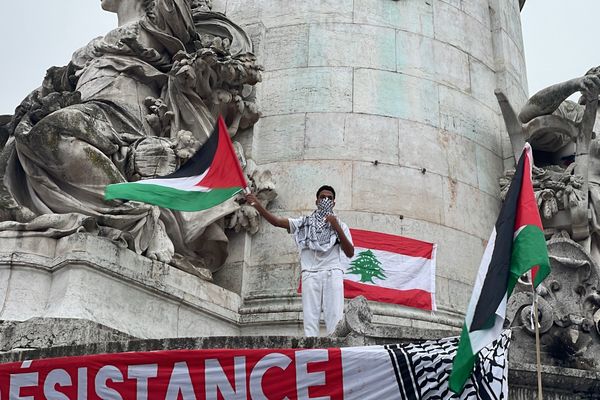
{"points": [[274, 220]]}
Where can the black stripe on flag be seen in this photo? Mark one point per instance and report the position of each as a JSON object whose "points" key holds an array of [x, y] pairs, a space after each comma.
{"points": [[201, 160], [495, 283]]}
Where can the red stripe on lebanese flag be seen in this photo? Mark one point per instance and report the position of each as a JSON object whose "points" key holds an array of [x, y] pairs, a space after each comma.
{"points": [[410, 298], [392, 243], [391, 269]]}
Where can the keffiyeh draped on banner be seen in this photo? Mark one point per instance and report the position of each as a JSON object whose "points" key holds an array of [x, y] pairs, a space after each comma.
{"points": [[407, 371]]}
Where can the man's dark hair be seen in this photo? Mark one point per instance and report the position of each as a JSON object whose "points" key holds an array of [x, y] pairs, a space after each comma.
{"points": [[326, 187]]}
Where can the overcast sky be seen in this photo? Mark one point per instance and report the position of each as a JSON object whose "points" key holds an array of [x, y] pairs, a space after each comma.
{"points": [[559, 38]]}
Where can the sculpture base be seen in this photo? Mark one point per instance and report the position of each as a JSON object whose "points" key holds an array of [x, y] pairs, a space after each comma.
{"points": [[89, 278]]}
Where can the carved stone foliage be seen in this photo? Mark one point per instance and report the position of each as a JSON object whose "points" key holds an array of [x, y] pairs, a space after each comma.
{"points": [[134, 104], [568, 310], [558, 192]]}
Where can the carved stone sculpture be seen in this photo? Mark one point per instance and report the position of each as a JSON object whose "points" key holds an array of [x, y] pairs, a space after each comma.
{"points": [[568, 306], [131, 105], [566, 182], [566, 152]]}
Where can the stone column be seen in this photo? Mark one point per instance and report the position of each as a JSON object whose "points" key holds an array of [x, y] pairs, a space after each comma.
{"points": [[392, 103]]}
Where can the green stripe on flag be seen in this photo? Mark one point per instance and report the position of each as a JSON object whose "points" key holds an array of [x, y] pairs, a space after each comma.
{"points": [[175, 199], [529, 250], [463, 362]]}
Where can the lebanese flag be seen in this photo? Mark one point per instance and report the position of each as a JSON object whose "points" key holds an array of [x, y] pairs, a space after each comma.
{"points": [[517, 245], [210, 177], [391, 269]]}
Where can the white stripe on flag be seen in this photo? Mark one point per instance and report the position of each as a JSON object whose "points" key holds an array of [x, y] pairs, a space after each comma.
{"points": [[480, 339], [187, 183], [401, 272]]}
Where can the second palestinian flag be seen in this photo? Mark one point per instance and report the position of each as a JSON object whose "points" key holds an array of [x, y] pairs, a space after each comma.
{"points": [[391, 269], [517, 244], [210, 177]]}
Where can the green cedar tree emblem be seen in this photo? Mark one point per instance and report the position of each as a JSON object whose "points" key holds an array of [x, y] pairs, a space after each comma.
{"points": [[367, 266]]}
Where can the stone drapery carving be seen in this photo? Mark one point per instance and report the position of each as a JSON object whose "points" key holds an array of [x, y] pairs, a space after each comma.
{"points": [[133, 104]]}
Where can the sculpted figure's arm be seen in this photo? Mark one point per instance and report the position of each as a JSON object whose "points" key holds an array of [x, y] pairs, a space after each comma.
{"points": [[345, 243], [274, 220], [546, 101]]}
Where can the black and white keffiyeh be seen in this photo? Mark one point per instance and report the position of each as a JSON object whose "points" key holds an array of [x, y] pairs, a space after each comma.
{"points": [[314, 232]]}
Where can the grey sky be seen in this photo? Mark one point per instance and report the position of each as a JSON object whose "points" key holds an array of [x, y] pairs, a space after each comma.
{"points": [[36, 34]]}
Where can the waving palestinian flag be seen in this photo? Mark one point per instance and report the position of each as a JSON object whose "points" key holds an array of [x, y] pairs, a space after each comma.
{"points": [[210, 177], [517, 244]]}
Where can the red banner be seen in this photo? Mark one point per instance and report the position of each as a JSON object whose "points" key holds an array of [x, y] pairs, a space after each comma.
{"points": [[354, 373], [206, 374]]}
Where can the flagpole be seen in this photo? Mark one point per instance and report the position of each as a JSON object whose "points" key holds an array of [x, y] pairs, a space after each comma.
{"points": [[537, 341]]}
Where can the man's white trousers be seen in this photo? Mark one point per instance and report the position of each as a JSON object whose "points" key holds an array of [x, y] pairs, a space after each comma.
{"points": [[322, 290]]}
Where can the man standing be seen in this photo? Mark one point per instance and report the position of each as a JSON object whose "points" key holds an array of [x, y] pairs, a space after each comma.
{"points": [[321, 238]]}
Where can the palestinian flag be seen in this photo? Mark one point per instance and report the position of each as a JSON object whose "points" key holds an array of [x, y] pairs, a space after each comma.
{"points": [[210, 177], [391, 269], [517, 244]]}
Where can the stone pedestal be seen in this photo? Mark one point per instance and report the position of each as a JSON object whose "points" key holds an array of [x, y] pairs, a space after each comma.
{"points": [[88, 278]]}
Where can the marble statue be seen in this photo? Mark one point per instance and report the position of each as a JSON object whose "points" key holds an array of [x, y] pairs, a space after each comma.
{"points": [[131, 105]]}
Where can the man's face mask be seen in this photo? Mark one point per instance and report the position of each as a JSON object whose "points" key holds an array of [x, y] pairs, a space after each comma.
{"points": [[325, 206]]}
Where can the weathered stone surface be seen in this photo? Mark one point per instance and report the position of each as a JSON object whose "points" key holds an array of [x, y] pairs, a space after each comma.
{"points": [[391, 195], [288, 47], [460, 200], [456, 117], [273, 281], [483, 83], [279, 138], [410, 15], [273, 239], [44, 333], [94, 279], [313, 89], [508, 17], [356, 320], [342, 45], [489, 167], [459, 293], [300, 181], [460, 29], [395, 95], [351, 137], [423, 146], [510, 57], [480, 10], [274, 13], [425, 57], [462, 165]]}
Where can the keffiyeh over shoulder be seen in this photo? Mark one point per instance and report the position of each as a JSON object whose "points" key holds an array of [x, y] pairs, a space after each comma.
{"points": [[314, 232]]}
